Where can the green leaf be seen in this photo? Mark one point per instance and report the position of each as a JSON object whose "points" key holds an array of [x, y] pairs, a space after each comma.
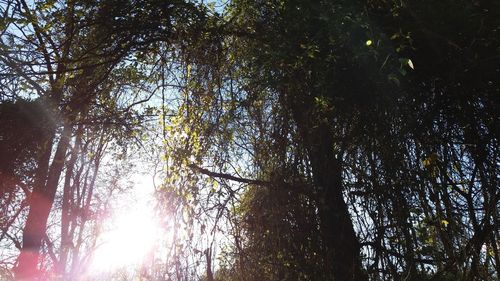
{"points": [[211, 6]]}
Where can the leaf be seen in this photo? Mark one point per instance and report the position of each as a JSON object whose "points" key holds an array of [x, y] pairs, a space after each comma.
{"points": [[211, 6], [445, 223], [368, 42], [410, 64], [215, 186], [431, 160]]}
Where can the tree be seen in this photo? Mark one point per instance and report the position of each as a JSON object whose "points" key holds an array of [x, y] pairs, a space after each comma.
{"points": [[67, 55], [381, 130]]}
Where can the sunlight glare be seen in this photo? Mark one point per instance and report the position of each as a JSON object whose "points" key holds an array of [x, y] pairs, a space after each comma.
{"points": [[130, 241]]}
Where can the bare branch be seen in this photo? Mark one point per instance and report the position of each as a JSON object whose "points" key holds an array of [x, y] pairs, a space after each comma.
{"points": [[227, 176]]}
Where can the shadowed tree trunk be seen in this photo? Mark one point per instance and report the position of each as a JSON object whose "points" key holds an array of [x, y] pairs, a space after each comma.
{"points": [[342, 245]]}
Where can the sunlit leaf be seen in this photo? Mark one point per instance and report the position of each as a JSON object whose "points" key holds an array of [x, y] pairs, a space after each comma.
{"points": [[410, 64]]}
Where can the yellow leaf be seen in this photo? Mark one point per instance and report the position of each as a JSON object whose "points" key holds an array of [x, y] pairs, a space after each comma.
{"points": [[431, 160], [444, 223], [369, 42]]}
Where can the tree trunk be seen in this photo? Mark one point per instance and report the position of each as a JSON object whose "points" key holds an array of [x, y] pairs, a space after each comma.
{"points": [[342, 246], [67, 203], [336, 226], [40, 204]]}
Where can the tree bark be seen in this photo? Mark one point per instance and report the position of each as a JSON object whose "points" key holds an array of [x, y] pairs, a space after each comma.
{"points": [[336, 226], [342, 256], [40, 204]]}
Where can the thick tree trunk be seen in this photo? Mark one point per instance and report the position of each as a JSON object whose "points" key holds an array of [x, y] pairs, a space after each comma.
{"points": [[40, 204], [342, 246], [340, 239]]}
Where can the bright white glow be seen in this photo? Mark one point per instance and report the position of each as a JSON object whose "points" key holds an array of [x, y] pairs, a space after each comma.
{"points": [[131, 239], [128, 244]]}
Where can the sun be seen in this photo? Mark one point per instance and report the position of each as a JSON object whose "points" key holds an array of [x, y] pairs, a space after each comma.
{"points": [[128, 244], [129, 240]]}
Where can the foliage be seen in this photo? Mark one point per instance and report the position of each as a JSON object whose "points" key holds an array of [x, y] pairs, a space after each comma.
{"points": [[389, 90]]}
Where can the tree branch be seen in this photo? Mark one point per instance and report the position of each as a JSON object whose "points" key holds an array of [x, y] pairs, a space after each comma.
{"points": [[227, 176]]}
